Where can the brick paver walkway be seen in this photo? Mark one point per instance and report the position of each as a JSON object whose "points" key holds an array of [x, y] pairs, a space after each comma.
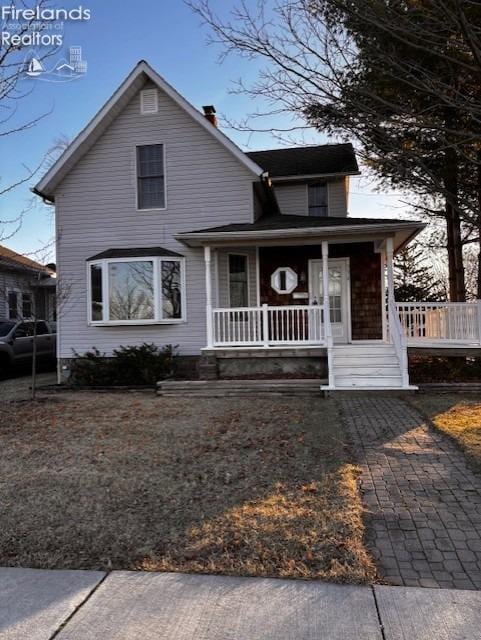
{"points": [[423, 503]]}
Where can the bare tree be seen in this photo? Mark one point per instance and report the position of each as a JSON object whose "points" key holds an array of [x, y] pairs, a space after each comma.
{"points": [[402, 78], [13, 90]]}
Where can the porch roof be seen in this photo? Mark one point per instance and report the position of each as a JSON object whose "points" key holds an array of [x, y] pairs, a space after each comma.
{"points": [[285, 227]]}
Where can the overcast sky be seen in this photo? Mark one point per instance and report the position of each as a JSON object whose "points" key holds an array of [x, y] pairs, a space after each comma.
{"points": [[169, 36]]}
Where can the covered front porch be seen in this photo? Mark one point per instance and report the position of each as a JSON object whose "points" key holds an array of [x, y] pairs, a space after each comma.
{"points": [[325, 286]]}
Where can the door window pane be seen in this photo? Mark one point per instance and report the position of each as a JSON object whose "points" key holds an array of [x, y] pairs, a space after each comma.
{"points": [[335, 293], [238, 288], [171, 289], [131, 290]]}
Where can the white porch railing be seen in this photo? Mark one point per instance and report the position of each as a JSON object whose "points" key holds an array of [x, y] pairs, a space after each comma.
{"points": [[440, 322], [267, 326], [398, 339]]}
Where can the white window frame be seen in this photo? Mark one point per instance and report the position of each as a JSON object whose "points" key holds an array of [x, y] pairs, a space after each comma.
{"points": [[313, 184], [244, 255], [157, 266], [136, 176], [292, 287], [20, 295]]}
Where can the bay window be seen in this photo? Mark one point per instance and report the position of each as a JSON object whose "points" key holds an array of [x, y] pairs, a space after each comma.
{"points": [[136, 290]]}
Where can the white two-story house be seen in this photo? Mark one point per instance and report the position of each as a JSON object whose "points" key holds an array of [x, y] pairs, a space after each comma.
{"points": [[168, 233]]}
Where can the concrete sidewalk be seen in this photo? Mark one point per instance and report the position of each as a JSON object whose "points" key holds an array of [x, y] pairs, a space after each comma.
{"points": [[123, 605]]}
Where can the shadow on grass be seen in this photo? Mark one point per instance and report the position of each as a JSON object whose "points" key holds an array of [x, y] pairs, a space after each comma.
{"points": [[244, 487]]}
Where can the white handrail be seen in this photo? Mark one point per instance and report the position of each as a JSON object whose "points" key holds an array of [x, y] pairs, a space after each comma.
{"points": [[399, 340]]}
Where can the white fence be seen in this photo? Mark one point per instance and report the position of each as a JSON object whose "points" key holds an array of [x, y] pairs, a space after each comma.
{"points": [[268, 326], [441, 322]]}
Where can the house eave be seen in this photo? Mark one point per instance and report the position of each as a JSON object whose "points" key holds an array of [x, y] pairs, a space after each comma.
{"points": [[313, 176], [254, 237]]}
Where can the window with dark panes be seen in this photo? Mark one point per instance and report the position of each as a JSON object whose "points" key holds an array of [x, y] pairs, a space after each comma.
{"points": [[26, 305], [42, 328], [171, 289], [150, 177], [317, 199], [238, 287], [13, 305], [96, 292]]}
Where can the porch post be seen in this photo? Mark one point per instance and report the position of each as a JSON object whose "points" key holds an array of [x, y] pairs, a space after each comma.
{"points": [[390, 272], [325, 281], [383, 295], [327, 313], [208, 295]]}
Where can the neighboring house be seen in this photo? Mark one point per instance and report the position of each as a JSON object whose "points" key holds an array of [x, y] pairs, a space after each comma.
{"points": [[168, 233], [27, 288]]}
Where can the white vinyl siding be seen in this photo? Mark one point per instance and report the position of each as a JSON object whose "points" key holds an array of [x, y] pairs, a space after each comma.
{"points": [[338, 198], [96, 210], [292, 199]]}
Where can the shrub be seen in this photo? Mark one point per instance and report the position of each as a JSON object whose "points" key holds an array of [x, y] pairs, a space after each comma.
{"points": [[129, 366]]}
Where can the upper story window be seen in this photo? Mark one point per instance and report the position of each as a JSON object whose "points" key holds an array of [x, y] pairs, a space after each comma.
{"points": [[150, 177], [136, 290], [317, 199], [238, 281]]}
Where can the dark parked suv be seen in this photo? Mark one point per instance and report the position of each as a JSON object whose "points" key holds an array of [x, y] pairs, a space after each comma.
{"points": [[16, 343]]}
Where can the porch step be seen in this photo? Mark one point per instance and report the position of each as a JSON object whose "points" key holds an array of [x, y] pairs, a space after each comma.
{"points": [[362, 381], [239, 388], [366, 366]]}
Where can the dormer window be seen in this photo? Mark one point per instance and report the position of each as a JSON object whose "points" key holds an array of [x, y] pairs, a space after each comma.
{"points": [[317, 199]]}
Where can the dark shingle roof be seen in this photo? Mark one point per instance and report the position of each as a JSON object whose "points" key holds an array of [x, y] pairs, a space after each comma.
{"points": [[142, 252], [300, 161], [272, 223]]}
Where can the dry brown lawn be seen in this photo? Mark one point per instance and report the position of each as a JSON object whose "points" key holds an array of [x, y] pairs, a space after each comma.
{"points": [[457, 416], [260, 487]]}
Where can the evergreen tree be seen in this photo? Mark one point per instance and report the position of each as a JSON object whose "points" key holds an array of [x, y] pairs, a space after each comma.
{"points": [[414, 280]]}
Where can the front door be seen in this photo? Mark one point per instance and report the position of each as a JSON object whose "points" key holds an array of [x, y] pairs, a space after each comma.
{"points": [[339, 294]]}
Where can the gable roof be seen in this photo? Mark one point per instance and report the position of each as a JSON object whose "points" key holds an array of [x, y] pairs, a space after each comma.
{"points": [[326, 159], [94, 129], [13, 260]]}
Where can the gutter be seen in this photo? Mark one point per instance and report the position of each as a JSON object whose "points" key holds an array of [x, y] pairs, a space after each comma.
{"points": [[46, 199], [309, 176]]}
